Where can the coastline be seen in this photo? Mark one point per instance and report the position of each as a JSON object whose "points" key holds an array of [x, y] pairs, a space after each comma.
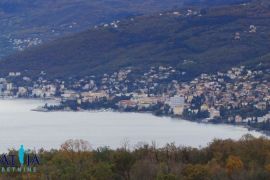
{"points": [[57, 102], [199, 121], [105, 127]]}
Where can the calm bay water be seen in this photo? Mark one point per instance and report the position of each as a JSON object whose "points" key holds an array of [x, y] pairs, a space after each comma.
{"points": [[20, 125]]}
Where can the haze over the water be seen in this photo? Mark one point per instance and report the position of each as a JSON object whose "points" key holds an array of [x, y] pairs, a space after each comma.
{"points": [[20, 125]]}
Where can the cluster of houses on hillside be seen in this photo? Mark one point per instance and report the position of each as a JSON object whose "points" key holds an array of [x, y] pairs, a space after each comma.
{"points": [[239, 95], [21, 44], [185, 13], [237, 89]]}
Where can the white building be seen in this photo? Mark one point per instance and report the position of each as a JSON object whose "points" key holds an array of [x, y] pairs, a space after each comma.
{"points": [[177, 101], [264, 118], [22, 91], [177, 104], [38, 92], [14, 74], [9, 86], [214, 113]]}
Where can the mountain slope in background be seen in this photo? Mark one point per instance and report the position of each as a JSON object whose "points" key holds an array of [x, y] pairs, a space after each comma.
{"points": [[196, 42], [23, 23], [27, 23]]}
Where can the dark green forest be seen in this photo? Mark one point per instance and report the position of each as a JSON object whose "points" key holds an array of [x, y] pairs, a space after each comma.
{"points": [[52, 19], [194, 44]]}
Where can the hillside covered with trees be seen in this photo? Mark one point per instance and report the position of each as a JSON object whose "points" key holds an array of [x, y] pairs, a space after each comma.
{"points": [[195, 41], [23, 22]]}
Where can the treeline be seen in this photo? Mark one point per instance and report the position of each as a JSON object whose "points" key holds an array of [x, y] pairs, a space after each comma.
{"points": [[246, 159]]}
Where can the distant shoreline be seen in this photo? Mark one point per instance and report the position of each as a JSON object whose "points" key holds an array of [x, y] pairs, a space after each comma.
{"points": [[199, 121]]}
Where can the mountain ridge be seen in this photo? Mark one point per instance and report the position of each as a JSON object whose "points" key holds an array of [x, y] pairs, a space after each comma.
{"points": [[198, 41]]}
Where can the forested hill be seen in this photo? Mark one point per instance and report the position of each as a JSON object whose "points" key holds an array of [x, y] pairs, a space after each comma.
{"points": [[27, 22], [194, 41], [22, 21]]}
